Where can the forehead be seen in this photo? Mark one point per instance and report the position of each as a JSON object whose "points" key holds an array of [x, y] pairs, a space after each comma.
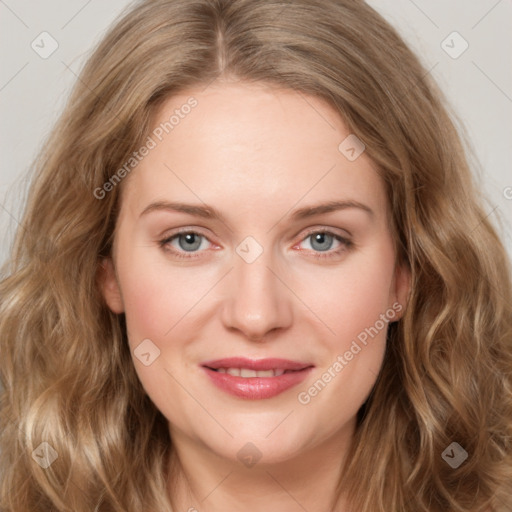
{"points": [[247, 145]]}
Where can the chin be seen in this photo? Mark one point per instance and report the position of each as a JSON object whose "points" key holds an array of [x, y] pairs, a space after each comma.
{"points": [[250, 450]]}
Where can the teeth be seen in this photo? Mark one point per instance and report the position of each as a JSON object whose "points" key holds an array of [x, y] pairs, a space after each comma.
{"points": [[246, 372], [264, 373]]}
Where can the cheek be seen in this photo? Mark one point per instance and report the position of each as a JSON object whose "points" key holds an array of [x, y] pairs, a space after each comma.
{"points": [[154, 298], [147, 307], [351, 298], [359, 318], [159, 306], [161, 298]]}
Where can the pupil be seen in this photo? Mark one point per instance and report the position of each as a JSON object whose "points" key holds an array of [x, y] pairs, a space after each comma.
{"points": [[191, 243], [322, 238]]}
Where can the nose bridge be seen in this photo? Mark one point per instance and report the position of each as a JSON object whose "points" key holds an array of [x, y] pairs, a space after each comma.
{"points": [[258, 302]]}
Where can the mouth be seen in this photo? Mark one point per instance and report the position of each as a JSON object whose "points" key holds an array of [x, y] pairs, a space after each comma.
{"points": [[248, 373], [256, 379]]}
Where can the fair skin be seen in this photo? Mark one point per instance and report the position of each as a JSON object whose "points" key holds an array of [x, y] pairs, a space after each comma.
{"points": [[256, 154]]}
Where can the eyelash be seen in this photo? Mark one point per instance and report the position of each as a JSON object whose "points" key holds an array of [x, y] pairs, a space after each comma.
{"points": [[346, 244]]}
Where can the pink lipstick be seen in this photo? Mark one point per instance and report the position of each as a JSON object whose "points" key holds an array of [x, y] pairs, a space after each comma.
{"points": [[256, 379]]}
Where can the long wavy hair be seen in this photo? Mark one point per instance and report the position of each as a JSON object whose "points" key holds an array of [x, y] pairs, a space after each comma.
{"points": [[67, 375]]}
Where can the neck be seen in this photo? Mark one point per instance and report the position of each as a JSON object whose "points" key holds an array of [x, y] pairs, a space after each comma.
{"points": [[203, 481]]}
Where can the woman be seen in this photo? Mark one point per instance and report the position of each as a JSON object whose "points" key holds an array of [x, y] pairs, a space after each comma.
{"points": [[174, 333]]}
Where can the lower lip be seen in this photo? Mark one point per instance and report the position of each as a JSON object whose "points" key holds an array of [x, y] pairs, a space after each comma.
{"points": [[256, 388]]}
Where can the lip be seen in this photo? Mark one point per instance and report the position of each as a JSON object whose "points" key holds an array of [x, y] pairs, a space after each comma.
{"points": [[256, 364], [256, 388]]}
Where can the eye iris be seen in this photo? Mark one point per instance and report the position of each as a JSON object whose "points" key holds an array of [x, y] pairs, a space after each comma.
{"points": [[320, 241], [193, 241], [321, 238]]}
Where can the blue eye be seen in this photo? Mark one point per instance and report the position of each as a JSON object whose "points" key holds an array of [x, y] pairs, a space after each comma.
{"points": [[322, 242], [188, 241], [191, 241]]}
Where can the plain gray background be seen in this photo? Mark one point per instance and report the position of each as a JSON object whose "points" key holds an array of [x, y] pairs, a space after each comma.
{"points": [[478, 82]]}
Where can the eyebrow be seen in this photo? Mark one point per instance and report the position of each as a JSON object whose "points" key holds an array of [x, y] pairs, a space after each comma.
{"points": [[208, 212]]}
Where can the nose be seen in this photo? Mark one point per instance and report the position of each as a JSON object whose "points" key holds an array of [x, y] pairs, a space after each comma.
{"points": [[258, 300]]}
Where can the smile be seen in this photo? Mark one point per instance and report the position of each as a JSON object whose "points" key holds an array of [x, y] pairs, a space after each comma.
{"points": [[256, 379], [247, 373]]}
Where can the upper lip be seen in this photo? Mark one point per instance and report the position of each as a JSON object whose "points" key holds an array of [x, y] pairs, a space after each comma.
{"points": [[256, 364]]}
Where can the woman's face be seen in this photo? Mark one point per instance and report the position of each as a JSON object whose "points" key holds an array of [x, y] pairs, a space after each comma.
{"points": [[261, 271]]}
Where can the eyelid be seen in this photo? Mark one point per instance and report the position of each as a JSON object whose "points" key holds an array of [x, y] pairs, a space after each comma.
{"points": [[346, 243], [325, 229], [315, 229], [172, 234], [168, 234], [165, 239]]}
